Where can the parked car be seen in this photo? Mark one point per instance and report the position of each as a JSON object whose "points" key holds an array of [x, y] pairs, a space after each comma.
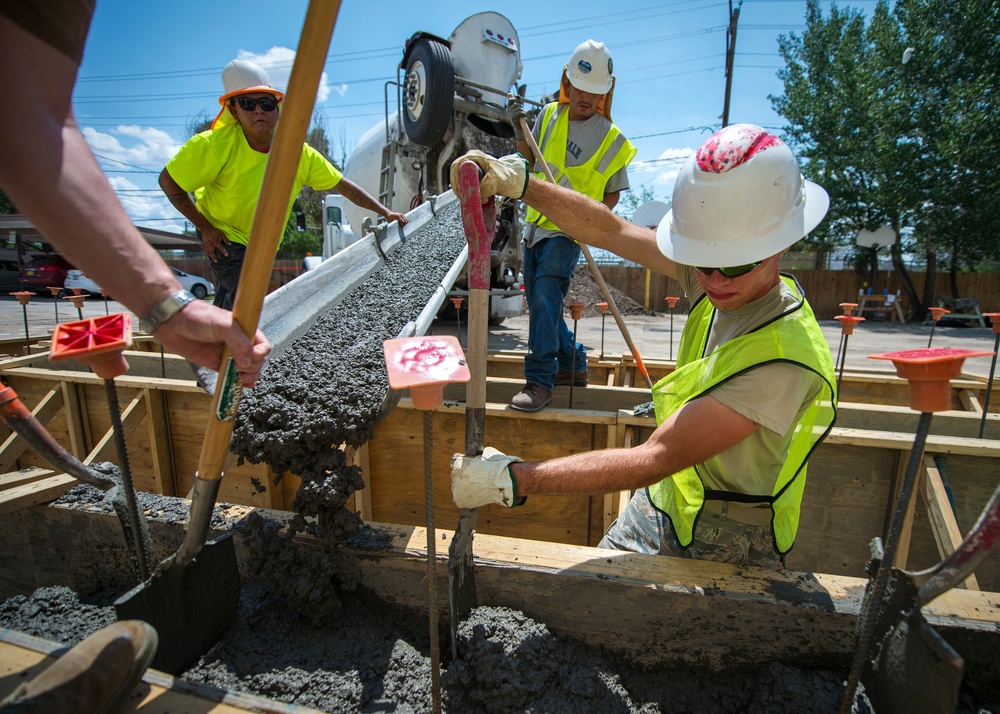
{"points": [[10, 276], [199, 287], [44, 271]]}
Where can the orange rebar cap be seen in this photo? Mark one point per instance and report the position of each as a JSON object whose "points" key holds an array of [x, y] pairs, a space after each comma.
{"points": [[576, 309], [847, 323], [929, 372], [937, 312], [77, 300], [97, 341], [603, 306], [671, 301], [23, 296], [848, 307], [424, 365], [994, 321]]}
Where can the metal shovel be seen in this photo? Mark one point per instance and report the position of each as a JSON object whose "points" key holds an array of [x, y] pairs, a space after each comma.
{"points": [[193, 595], [911, 667], [479, 222]]}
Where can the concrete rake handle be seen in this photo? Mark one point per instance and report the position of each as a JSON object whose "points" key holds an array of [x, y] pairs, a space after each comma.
{"points": [[269, 222], [595, 271]]}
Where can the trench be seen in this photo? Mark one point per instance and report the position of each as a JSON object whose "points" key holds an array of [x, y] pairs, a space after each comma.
{"points": [[309, 633]]}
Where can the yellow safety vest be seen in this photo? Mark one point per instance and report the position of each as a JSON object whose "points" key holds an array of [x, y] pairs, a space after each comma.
{"points": [[590, 178], [794, 337]]}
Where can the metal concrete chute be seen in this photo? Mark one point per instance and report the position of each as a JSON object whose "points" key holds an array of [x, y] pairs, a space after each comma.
{"points": [[291, 309]]}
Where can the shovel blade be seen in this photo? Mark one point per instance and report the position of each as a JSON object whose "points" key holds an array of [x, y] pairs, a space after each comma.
{"points": [[188, 605], [911, 668]]}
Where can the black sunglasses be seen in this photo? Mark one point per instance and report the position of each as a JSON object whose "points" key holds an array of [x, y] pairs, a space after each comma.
{"points": [[267, 104], [733, 272]]}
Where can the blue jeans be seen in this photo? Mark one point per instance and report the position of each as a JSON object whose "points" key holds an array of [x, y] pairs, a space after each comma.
{"points": [[548, 268]]}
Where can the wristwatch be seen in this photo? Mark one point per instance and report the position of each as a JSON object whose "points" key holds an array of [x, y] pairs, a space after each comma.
{"points": [[165, 310]]}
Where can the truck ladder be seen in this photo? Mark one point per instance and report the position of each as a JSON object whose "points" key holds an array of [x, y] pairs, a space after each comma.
{"points": [[387, 176]]}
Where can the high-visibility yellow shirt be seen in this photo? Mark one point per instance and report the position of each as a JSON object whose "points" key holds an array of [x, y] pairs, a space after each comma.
{"points": [[225, 175]]}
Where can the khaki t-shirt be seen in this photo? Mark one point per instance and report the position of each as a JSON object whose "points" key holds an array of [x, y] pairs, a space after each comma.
{"points": [[772, 395]]}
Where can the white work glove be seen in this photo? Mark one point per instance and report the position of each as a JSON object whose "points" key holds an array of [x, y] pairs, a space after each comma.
{"points": [[515, 113], [506, 176], [480, 480]]}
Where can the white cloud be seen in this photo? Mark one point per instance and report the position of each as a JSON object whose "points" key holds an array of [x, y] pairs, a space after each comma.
{"points": [[277, 62]]}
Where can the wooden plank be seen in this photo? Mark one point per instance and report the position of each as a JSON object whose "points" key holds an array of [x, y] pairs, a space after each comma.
{"points": [[77, 423], [14, 445], [363, 498], [903, 554], [970, 401], [31, 494], [19, 478], [132, 417], [124, 381], [903, 442], [942, 516], [159, 442]]}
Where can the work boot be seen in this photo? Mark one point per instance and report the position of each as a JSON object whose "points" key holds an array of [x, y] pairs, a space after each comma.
{"points": [[564, 377], [99, 674], [533, 398]]}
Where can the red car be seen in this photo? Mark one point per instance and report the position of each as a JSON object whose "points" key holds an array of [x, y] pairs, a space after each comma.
{"points": [[43, 271]]}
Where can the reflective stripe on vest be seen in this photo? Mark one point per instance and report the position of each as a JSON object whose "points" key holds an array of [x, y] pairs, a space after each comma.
{"points": [[590, 178], [793, 337]]}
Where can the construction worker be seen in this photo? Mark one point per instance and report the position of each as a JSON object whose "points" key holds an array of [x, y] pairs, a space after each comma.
{"points": [[585, 151], [53, 178], [722, 476], [224, 168]]}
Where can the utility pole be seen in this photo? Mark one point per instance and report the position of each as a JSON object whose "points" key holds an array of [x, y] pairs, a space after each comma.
{"points": [[734, 19]]}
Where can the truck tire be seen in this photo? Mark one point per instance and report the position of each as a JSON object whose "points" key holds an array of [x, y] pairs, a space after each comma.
{"points": [[428, 92]]}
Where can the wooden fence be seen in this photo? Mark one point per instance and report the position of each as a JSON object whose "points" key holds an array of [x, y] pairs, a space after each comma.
{"points": [[825, 289]]}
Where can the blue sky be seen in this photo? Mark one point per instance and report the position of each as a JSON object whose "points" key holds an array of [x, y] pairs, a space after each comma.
{"points": [[151, 69]]}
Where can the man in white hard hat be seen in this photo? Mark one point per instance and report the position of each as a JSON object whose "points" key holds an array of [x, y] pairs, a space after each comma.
{"points": [[224, 168], [585, 151], [722, 476]]}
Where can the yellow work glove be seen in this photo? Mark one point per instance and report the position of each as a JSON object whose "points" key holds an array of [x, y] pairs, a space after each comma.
{"points": [[480, 480], [506, 176]]}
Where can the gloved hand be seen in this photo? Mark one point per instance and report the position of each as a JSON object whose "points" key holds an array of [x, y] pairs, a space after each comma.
{"points": [[480, 480], [515, 112], [506, 176]]}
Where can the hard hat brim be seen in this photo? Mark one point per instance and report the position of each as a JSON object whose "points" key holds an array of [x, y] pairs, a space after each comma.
{"points": [[248, 90], [690, 250], [590, 87]]}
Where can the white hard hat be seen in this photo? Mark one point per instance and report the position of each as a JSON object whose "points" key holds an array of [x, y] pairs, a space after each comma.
{"points": [[740, 198], [242, 77], [590, 68]]}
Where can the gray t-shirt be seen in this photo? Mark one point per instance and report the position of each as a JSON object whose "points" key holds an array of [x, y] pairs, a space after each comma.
{"points": [[772, 395], [583, 138]]}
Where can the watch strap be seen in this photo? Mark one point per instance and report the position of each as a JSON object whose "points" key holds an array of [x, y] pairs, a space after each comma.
{"points": [[166, 309]]}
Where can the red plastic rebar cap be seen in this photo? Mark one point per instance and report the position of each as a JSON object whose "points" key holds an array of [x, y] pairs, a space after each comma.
{"points": [[23, 296], [97, 341], [929, 372], [937, 312], [457, 301], [77, 300], [603, 306], [424, 365], [55, 290], [576, 309], [994, 321], [847, 323], [848, 307], [671, 301]]}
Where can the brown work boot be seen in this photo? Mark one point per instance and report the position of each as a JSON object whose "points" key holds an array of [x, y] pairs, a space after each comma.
{"points": [[564, 377], [533, 398], [99, 674]]}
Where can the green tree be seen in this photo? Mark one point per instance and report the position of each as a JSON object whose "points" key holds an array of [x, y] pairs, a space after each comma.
{"points": [[6, 205], [905, 144]]}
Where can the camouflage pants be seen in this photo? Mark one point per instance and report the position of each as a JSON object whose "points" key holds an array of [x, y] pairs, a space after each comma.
{"points": [[643, 529]]}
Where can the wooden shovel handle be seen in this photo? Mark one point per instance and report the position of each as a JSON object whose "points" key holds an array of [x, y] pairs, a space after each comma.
{"points": [[269, 222]]}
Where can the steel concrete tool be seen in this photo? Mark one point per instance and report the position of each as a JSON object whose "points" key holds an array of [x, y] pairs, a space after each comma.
{"points": [[929, 372], [425, 365], [479, 222], [193, 594], [100, 342], [594, 270]]}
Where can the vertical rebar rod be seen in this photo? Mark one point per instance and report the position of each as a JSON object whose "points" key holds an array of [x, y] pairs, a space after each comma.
{"points": [[431, 574], [989, 386], [130, 497], [671, 333], [572, 369], [27, 340], [603, 316], [842, 358]]}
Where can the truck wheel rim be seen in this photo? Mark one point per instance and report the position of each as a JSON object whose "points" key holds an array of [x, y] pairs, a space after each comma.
{"points": [[415, 90]]}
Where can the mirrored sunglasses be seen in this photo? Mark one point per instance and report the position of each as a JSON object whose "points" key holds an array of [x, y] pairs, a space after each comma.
{"points": [[733, 272], [267, 104]]}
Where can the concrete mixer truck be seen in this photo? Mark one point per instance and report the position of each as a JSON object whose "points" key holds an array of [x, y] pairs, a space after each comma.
{"points": [[450, 96]]}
